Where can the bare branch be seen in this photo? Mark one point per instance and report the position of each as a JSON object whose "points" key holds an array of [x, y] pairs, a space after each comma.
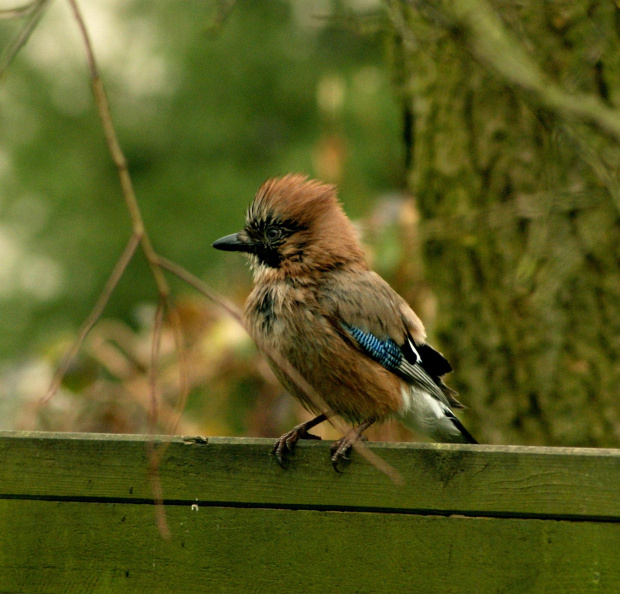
{"points": [[484, 34], [18, 12], [155, 344], [91, 320], [118, 157], [175, 322], [201, 287], [154, 456], [286, 367], [34, 11], [156, 264]]}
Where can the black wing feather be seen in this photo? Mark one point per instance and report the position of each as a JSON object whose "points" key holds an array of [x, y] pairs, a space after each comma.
{"points": [[433, 361]]}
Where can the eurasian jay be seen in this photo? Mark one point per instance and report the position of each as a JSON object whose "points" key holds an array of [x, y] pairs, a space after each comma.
{"points": [[329, 325]]}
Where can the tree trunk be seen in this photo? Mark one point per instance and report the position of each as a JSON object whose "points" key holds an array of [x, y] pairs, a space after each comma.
{"points": [[514, 153]]}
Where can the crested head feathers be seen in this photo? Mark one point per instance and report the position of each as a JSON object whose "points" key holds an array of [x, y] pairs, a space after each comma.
{"points": [[297, 224]]}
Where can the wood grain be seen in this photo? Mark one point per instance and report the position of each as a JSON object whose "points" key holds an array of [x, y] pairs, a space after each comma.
{"points": [[76, 515], [68, 547], [509, 481]]}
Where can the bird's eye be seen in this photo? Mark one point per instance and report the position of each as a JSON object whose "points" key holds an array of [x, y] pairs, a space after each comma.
{"points": [[273, 233]]}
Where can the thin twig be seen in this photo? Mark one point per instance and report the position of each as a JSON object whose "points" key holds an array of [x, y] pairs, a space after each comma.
{"points": [[379, 463], [154, 457], [175, 323], [286, 367], [137, 223], [156, 264], [201, 287], [118, 157], [18, 12], [34, 14], [91, 320], [155, 344], [154, 454]]}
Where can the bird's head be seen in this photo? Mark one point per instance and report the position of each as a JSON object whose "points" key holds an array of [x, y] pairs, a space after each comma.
{"points": [[296, 226]]}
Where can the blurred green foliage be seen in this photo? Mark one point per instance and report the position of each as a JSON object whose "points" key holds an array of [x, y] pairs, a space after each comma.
{"points": [[508, 251], [209, 99]]}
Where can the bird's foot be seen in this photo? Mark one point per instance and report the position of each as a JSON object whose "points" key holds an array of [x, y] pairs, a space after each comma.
{"points": [[286, 444], [340, 449]]}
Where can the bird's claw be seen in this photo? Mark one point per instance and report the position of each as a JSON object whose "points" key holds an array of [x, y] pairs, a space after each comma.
{"points": [[341, 449], [286, 444], [340, 452]]}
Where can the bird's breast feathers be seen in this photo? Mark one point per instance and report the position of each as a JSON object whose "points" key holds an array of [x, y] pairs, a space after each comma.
{"points": [[288, 323]]}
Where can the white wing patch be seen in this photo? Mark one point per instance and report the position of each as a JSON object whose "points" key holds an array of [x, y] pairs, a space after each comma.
{"points": [[418, 359]]}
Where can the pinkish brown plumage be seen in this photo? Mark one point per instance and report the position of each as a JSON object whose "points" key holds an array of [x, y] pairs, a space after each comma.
{"points": [[330, 326]]}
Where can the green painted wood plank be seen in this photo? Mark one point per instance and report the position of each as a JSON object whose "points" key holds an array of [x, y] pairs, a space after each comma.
{"points": [[438, 478], [80, 547]]}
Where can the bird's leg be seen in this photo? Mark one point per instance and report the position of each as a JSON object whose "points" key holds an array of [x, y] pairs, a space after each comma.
{"points": [[340, 449], [286, 443]]}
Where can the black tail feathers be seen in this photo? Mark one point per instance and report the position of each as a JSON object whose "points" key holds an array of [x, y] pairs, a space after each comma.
{"points": [[467, 436]]}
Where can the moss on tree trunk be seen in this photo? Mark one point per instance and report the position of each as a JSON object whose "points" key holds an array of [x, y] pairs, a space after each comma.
{"points": [[513, 163]]}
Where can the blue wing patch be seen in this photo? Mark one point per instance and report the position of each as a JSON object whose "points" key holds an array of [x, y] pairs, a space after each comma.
{"points": [[387, 353]]}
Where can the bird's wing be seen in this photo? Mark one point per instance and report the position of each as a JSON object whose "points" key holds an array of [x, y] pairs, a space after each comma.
{"points": [[371, 315], [364, 300]]}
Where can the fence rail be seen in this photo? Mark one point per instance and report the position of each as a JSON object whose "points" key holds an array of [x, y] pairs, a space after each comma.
{"points": [[77, 515]]}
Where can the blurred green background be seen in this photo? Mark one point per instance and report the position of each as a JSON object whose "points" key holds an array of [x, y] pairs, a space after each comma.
{"points": [[209, 99], [205, 112], [475, 144]]}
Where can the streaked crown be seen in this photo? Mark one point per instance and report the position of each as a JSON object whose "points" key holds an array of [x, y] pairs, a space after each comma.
{"points": [[294, 219]]}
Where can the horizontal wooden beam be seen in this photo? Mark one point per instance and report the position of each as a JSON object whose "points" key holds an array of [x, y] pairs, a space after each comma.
{"points": [[105, 547], [77, 515], [489, 481]]}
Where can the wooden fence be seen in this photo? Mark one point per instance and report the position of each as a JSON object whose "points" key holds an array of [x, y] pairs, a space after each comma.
{"points": [[77, 515]]}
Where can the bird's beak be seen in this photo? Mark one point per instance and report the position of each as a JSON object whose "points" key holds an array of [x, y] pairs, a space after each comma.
{"points": [[233, 243]]}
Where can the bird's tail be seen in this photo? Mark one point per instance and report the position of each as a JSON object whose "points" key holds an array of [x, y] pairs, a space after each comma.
{"points": [[466, 435], [427, 415]]}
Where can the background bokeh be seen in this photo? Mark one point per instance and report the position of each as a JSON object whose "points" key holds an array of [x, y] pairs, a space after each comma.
{"points": [[494, 213], [209, 99]]}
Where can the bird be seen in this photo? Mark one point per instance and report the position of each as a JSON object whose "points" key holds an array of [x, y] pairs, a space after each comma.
{"points": [[335, 333]]}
